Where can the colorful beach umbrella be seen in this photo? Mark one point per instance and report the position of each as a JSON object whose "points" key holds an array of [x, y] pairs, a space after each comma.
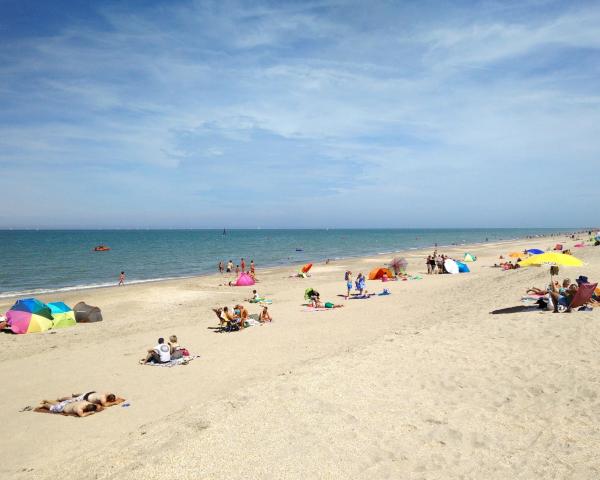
{"points": [[516, 254], [451, 266], [29, 316], [469, 257], [306, 267], [552, 258], [63, 316], [535, 251], [462, 267]]}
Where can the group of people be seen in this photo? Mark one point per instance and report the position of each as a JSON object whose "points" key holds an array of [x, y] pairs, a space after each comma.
{"points": [[165, 352], [239, 268], [560, 296], [359, 284], [81, 405], [238, 317], [436, 263]]}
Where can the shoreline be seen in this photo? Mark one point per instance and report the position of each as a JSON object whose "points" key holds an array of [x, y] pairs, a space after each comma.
{"points": [[9, 295]]}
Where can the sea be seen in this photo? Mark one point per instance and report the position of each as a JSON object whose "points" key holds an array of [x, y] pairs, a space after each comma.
{"points": [[43, 261]]}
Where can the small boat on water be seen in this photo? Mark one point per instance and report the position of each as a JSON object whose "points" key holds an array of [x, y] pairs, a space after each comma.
{"points": [[101, 248]]}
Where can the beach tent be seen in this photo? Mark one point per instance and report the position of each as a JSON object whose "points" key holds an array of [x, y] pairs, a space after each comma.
{"points": [[451, 266], [462, 267], [29, 316], [85, 313], [244, 280], [306, 268], [469, 257], [62, 315], [535, 251], [516, 254], [379, 272]]}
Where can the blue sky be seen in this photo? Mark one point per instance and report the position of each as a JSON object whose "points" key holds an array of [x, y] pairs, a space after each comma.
{"points": [[299, 114]]}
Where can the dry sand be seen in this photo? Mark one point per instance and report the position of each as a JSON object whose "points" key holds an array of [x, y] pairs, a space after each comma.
{"points": [[422, 384]]}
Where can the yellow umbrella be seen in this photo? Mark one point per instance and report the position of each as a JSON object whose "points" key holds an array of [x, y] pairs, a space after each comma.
{"points": [[516, 255], [552, 258]]}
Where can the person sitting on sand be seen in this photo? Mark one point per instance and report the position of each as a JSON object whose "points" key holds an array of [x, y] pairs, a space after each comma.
{"points": [[242, 314], [176, 350], [265, 316], [538, 291], [161, 353], [255, 297], [81, 408]]}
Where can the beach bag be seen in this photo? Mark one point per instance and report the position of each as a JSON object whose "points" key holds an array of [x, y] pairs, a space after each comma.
{"points": [[185, 352]]}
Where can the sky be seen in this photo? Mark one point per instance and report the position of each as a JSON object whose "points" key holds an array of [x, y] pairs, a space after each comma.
{"points": [[295, 114]]}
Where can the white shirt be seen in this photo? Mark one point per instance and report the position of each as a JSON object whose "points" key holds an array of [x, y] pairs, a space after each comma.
{"points": [[164, 351]]}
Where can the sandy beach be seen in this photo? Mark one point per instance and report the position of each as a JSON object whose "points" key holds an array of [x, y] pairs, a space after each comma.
{"points": [[423, 384]]}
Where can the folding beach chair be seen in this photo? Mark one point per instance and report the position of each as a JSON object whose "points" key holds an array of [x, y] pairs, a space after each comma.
{"points": [[583, 296]]}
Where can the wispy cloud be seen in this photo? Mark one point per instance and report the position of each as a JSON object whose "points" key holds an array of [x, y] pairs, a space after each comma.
{"points": [[314, 109]]}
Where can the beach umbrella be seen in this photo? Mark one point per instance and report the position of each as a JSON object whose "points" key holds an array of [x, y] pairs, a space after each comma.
{"points": [[469, 257], [516, 254], [535, 251], [451, 266], [29, 316], [552, 258], [306, 267], [63, 316], [398, 265]]}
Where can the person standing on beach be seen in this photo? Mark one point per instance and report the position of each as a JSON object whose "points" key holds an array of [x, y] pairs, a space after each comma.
{"points": [[221, 268], [229, 266], [237, 269], [348, 283], [243, 265], [122, 279], [252, 272]]}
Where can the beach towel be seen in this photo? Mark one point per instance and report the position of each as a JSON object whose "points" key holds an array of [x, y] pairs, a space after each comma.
{"points": [[117, 401], [174, 362], [320, 309]]}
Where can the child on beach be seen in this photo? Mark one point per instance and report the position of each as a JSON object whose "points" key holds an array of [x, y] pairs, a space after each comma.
{"points": [[229, 266], [348, 278], [122, 279], [265, 316], [237, 269], [221, 267], [252, 267]]}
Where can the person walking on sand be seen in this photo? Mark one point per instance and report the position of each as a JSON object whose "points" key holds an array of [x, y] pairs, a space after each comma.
{"points": [[221, 268], [122, 279], [229, 266]]}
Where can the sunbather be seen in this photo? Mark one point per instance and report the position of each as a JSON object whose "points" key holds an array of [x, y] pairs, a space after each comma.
{"points": [[318, 304], [81, 408], [265, 316], [563, 297], [176, 349], [102, 399]]}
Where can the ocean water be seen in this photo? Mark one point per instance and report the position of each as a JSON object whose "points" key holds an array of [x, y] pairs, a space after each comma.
{"points": [[37, 261]]}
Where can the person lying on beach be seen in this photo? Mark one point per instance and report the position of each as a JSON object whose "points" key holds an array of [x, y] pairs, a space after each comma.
{"points": [[265, 316], [318, 304], [103, 399], [161, 353], [81, 408], [554, 286]]}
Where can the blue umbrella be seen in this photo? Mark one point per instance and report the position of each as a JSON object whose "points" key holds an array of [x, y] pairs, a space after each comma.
{"points": [[535, 251]]}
